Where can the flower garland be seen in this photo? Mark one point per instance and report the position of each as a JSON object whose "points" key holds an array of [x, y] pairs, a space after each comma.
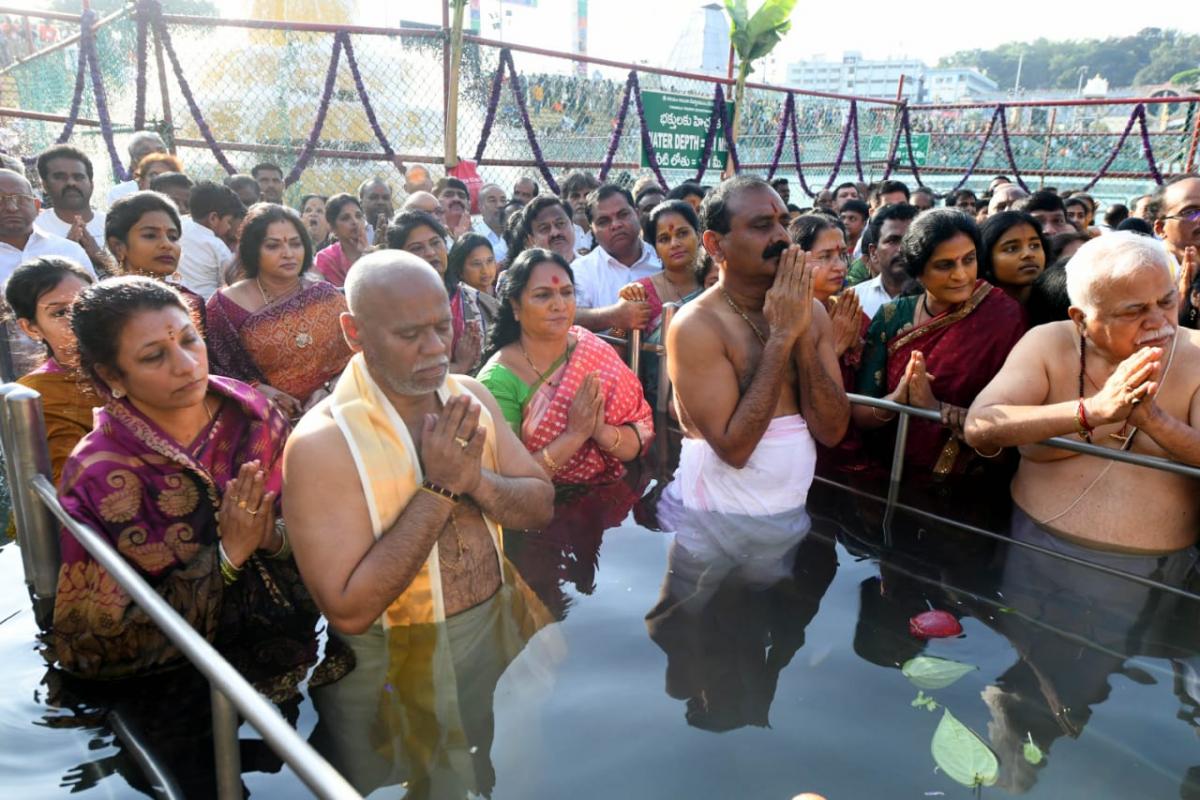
{"points": [[727, 126], [322, 109], [715, 118], [506, 61], [361, 88], [857, 147], [789, 106], [796, 151], [1008, 152], [614, 141], [987, 135], [1139, 114], [851, 122], [77, 97], [164, 38], [87, 42], [647, 144]]}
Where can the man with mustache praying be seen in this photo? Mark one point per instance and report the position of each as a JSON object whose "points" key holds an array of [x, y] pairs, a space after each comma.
{"points": [[752, 363], [399, 483], [66, 174], [1118, 374]]}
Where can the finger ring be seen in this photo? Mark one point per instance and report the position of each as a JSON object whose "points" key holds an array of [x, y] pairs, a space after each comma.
{"points": [[461, 442], [1135, 401], [253, 513], [242, 504]]}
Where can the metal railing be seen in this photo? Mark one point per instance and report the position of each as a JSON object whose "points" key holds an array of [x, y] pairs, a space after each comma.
{"points": [[634, 347], [36, 507]]}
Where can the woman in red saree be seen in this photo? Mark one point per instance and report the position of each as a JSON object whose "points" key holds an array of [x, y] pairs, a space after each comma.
{"points": [[278, 328], [576, 406], [939, 349], [348, 229], [142, 232], [181, 476]]}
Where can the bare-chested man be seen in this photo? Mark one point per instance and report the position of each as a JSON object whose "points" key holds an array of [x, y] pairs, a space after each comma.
{"points": [[1137, 382], [397, 484], [752, 363]]}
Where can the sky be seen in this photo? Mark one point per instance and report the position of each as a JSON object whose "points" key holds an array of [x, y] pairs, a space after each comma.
{"points": [[646, 30]]}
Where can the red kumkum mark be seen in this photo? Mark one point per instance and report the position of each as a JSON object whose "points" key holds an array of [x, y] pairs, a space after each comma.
{"points": [[554, 279]]}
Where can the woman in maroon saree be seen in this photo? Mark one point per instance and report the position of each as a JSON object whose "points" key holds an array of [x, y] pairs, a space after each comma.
{"points": [[939, 349], [142, 231], [278, 328], [181, 476]]}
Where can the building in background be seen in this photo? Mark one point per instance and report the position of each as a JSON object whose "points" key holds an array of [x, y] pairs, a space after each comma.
{"points": [[870, 78]]}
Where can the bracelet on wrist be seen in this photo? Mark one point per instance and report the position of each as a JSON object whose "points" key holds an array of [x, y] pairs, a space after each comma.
{"points": [[440, 491], [285, 547], [549, 461], [616, 443], [875, 413], [1082, 426], [229, 572]]}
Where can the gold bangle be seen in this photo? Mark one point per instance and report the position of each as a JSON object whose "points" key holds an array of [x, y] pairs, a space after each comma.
{"points": [[548, 461], [616, 444], [225, 566]]}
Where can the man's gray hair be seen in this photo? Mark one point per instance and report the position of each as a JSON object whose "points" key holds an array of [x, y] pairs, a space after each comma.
{"points": [[1109, 258], [145, 136]]}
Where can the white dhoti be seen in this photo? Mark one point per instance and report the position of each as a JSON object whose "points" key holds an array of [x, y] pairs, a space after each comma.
{"points": [[775, 480]]}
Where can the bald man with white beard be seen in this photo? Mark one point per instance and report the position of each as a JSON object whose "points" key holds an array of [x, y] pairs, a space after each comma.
{"points": [[413, 468]]}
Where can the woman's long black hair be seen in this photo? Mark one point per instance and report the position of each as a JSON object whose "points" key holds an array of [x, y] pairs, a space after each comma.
{"points": [[506, 329]]}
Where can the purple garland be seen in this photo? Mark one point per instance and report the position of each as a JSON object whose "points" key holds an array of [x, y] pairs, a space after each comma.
{"points": [[788, 106], [164, 38], [837, 163], [77, 98], [143, 27], [987, 135], [857, 146], [1012, 161], [87, 44], [614, 141], [493, 104], [727, 127], [322, 109], [796, 151], [647, 145], [710, 136], [1139, 114], [361, 88]]}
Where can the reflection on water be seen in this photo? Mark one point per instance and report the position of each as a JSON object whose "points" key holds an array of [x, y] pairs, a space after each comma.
{"points": [[417, 710], [634, 654], [738, 594]]}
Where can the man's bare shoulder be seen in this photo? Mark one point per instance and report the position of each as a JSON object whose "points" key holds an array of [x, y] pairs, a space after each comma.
{"points": [[701, 315], [1050, 342], [316, 439]]}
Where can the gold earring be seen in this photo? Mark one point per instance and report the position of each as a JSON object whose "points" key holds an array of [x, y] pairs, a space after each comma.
{"points": [[118, 393]]}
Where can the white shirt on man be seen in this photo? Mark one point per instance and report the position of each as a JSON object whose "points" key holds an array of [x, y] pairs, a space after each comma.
{"points": [[49, 222], [40, 243], [872, 295], [121, 190], [499, 248], [203, 258], [583, 239], [599, 277]]}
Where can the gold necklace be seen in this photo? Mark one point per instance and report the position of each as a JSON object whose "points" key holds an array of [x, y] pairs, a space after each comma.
{"points": [[759, 334], [541, 375], [463, 548], [303, 338]]}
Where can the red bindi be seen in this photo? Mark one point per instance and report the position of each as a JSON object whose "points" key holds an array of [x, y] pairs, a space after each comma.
{"points": [[554, 279]]}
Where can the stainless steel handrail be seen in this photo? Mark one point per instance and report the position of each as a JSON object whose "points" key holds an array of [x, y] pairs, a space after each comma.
{"points": [[634, 347], [225, 681], [35, 501]]}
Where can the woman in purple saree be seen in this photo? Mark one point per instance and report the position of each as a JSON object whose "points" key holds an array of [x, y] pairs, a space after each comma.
{"points": [[278, 328], [181, 476]]}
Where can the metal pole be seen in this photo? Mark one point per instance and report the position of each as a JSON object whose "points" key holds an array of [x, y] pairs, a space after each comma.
{"points": [[8, 370], [168, 126], [23, 432], [225, 746], [663, 396], [900, 446], [315, 771], [1046, 151], [635, 350], [162, 782]]}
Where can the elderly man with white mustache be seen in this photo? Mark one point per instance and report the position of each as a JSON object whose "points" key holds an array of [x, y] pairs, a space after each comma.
{"points": [[1120, 375]]}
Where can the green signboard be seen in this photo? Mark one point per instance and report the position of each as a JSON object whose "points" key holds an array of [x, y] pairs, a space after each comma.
{"points": [[877, 149], [677, 124]]}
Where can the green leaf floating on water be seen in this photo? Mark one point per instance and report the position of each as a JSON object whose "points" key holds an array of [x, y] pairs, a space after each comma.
{"points": [[927, 672], [962, 755], [1033, 753]]}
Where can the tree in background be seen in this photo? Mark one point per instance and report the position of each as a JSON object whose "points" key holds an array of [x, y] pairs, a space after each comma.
{"points": [[753, 37]]}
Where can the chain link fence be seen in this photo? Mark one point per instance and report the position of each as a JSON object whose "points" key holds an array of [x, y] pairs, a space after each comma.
{"points": [[259, 91]]}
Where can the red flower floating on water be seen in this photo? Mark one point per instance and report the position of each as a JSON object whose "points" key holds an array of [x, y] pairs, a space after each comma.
{"points": [[934, 625]]}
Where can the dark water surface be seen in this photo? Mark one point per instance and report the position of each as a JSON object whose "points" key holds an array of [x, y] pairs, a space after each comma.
{"points": [[622, 661]]}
